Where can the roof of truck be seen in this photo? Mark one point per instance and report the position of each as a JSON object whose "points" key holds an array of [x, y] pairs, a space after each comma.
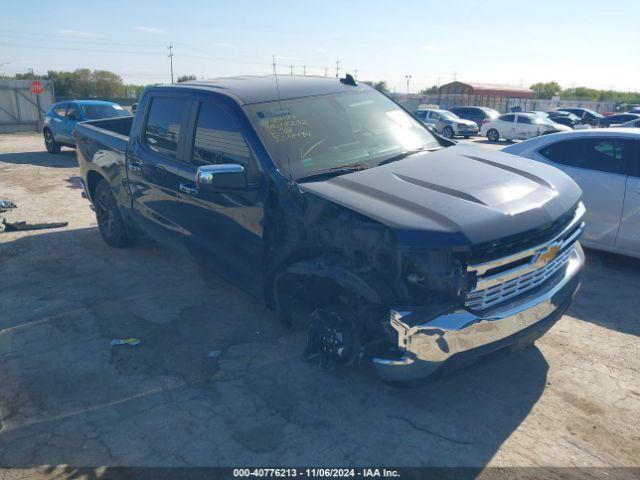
{"points": [[257, 89]]}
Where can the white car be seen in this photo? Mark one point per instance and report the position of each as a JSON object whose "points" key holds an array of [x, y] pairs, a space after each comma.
{"points": [[519, 126], [605, 163], [446, 123]]}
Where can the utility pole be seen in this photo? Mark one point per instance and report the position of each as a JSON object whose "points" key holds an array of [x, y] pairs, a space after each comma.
{"points": [[408, 78], [337, 68], [273, 58], [171, 60], [304, 70], [326, 69], [355, 74], [455, 75], [291, 69]]}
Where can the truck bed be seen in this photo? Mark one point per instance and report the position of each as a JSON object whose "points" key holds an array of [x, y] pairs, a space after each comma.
{"points": [[110, 133]]}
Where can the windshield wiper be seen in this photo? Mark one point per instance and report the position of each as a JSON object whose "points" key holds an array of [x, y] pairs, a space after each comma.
{"points": [[402, 155], [335, 171]]}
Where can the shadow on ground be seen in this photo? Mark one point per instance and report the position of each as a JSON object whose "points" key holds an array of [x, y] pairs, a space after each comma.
{"points": [[64, 159], [216, 380], [609, 292]]}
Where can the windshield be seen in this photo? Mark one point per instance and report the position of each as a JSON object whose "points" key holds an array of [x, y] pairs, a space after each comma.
{"points": [[540, 120], [317, 134], [94, 112], [448, 115], [491, 112]]}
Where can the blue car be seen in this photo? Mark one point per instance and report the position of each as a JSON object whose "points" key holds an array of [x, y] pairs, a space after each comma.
{"points": [[61, 119]]}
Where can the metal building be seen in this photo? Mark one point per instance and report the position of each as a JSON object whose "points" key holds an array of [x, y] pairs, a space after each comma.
{"points": [[499, 97]]}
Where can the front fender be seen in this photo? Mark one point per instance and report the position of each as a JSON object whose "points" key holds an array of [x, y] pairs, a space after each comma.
{"points": [[340, 275]]}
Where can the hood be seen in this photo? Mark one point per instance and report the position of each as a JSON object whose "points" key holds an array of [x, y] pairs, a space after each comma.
{"points": [[458, 196], [561, 128], [464, 121]]}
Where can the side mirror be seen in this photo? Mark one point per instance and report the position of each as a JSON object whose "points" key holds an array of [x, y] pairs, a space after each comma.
{"points": [[220, 177], [73, 116]]}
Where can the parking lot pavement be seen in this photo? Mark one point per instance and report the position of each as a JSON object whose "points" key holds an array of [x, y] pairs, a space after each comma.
{"points": [[68, 397]]}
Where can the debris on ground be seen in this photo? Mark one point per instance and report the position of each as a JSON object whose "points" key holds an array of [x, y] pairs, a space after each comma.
{"points": [[125, 341], [22, 226], [7, 205]]}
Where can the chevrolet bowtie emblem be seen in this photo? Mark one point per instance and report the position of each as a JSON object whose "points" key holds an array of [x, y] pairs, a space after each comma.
{"points": [[546, 255]]}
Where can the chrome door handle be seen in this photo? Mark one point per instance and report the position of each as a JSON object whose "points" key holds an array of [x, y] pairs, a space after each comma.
{"points": [[188, 189], [135, 168]]}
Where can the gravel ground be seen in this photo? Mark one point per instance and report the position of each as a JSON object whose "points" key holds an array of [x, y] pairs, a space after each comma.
{"points": [[68, 397]]}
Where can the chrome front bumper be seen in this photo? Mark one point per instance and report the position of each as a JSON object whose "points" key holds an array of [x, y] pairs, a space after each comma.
{"points": [[428, 345]]}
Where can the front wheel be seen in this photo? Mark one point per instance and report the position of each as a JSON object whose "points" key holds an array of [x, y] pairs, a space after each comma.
{"points": [[110, 223], [493, 135], [50, 142], [448, 132]]}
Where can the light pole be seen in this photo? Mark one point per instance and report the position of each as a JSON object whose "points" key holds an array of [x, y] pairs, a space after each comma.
{"points": [[408, 78], [170, 47]]}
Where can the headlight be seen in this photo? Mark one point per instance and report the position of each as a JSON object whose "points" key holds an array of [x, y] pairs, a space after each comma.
{"points": [[431, 274]]}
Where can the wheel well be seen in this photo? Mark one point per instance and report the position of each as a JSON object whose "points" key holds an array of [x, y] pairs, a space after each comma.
{"points": [[93, 178]]}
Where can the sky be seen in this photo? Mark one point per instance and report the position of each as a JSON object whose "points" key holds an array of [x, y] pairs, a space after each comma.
{"points": [[590, 43]]}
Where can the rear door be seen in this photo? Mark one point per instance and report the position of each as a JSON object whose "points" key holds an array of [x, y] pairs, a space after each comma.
{"points": [[525, 127], [154, 164], [629, 235], [596, 165], [223, 225]]}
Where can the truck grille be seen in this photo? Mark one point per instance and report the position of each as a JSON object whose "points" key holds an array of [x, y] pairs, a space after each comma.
{"points": [[506, 278]]}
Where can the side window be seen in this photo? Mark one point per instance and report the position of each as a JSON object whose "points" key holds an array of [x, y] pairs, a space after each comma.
{"points": [[162, 131], [217, 138], [73, 113], [435, 116], [525, 120], [601, 154], [507, 118], [421, 115], [61, 110]]}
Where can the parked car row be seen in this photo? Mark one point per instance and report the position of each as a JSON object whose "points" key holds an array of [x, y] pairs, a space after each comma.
{"points": [[459, 121]]}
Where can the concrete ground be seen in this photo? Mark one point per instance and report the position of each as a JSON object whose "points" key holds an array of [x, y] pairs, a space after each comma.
{"points": [[68, 397]]}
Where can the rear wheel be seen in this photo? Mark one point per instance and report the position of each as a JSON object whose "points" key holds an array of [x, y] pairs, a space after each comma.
{"points": [[493, 135], [50, 142], [110, 223], [447, 132]]}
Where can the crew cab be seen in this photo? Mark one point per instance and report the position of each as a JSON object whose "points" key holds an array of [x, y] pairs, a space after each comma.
{"points": [[332, 204]]}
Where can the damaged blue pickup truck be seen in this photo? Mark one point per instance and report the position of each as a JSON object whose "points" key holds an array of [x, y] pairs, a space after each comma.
{"points": [[332, 204]]}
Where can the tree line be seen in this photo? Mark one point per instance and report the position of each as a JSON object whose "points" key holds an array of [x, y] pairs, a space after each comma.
{"points": [[548, 90], [85, 83]]}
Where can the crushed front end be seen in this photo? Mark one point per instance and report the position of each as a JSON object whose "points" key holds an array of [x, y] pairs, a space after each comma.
{"points": [[507, 298]]}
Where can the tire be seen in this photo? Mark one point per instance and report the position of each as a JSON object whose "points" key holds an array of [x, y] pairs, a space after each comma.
{"points": [[447, 132], [110, 223], [334, 337], [493, 135], [50, 142]]}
